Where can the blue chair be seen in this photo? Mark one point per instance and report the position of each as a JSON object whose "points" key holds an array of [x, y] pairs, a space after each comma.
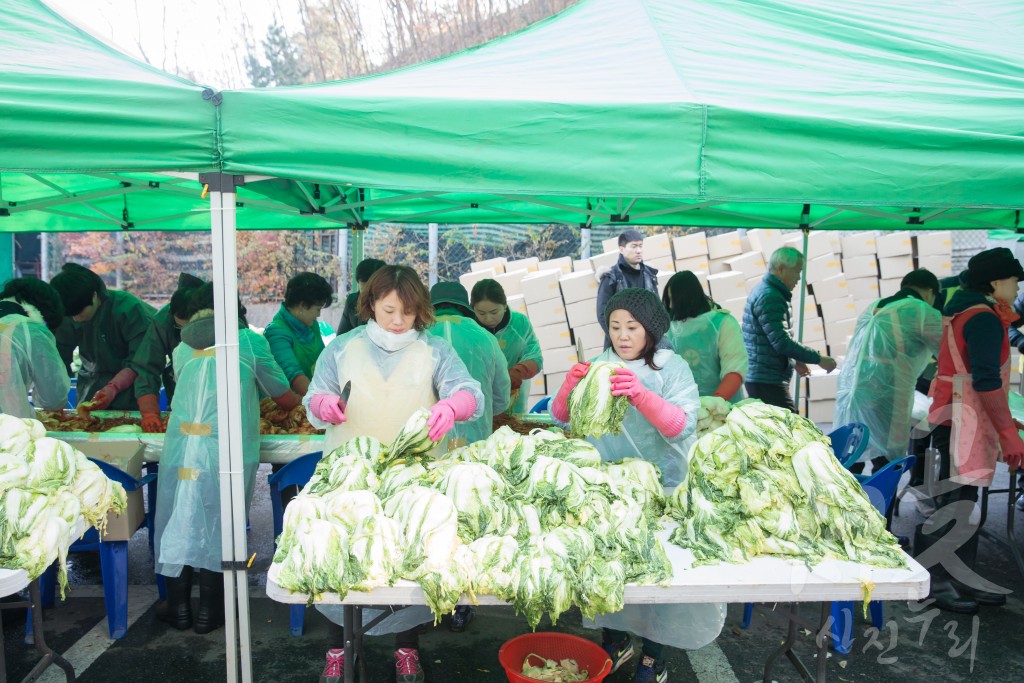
{"points": [[73, 394], [113, 560], [541, 405], [849, 442], [295, 473], [881, 489]]}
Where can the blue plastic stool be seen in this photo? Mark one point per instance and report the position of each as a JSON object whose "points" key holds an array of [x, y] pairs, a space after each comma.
{"points": [[113, 561], [295, 473], [541, 405], [881, 489], [849, 442], [73, 394]]}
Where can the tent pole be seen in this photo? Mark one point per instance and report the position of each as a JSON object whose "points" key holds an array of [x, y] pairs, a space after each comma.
{"points": [[432, 254], [229, 427], [584, 242], [44, 256], [803, 299], [7, 257], [357, 250], [343, 287]]}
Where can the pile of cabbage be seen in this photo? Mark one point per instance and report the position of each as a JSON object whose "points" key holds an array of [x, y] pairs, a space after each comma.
{"points": [[537, 520], [712, 414], [46, 486], [766, 483]]}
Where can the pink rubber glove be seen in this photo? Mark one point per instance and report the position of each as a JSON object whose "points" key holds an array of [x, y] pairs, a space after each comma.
{"points": [[560, 406], [105, 396], [626, 383], [460, 406], [328, 407], [668, 418]]}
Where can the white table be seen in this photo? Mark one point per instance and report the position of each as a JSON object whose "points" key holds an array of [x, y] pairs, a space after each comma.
{"points": [[764, 579]]}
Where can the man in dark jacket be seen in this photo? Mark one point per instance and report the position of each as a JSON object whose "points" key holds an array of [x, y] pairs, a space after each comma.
{"points": [[349, 320], [767, 321], [630, 271]]}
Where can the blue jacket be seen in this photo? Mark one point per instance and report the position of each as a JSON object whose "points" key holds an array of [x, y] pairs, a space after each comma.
{"points": [[767, 321]]}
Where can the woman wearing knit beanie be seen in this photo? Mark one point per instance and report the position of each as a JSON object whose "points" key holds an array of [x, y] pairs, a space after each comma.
{"points": [[659, 426]]}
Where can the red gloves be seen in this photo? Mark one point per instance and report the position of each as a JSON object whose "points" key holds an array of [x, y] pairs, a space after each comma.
{"points": [[560, 406], [149, 406], [995, 405], [520, 372], [287, 400], [300, 385], [729, 385], [328, 407], [105, 396], [443, 414]]}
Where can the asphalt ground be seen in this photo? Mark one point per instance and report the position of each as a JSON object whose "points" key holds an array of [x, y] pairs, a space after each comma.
{"points": [[916, 643]]}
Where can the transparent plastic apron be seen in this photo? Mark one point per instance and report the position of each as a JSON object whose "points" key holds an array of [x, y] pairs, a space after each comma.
{"points": [[378, 406], [973, 443]]}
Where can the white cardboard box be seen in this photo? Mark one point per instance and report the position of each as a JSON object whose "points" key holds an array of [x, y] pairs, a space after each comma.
{"points": [[718, 265], [727, 285], [823, 267], [591, 335], [864, 290], [814, 332], [839, 331], [606, 260], [582, 313], [554, 381], [467, 280], [838, 349], [834, 287], [563, 264], [751, 264], [530, 264], [859, 244], [663, 277], [838, 309], [553, 336], [940, 266], [752, 283], [821, 411], [938, 243], [541, 286], [724, 246], [821, 386], [510, 281], [734, 306], [544, 313], [810, 306], [766, 240], [578, 286], [818, 244], [582, 266], [663, 264], [894, 244], [558, 360], [857, 267], [693, 245], [895, 267], [611, 244], [889, 287], [497, 264], [657, 246], [126, 456], [518, 304], [697, 263]]}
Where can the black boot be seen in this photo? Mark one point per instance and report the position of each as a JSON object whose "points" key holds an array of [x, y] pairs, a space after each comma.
{"points": [[176, 610], [210, 616], [943, 591], [968, 552]]}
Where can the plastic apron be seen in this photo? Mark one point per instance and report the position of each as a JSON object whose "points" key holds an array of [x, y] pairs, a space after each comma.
{"points": [[973, 443], [696, 340], [25, 364], [518, 343], [14, 398], [378, 406]]}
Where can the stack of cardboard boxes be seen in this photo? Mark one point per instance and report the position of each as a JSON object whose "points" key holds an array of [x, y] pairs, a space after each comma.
{"points": [[846, 271]]}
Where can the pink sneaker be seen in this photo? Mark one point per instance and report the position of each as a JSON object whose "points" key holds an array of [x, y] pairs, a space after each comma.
{"points": [[334, 669], [407, 666]]}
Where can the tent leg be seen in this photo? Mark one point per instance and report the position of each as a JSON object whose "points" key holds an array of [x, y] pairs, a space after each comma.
{"points": [[357, 251], [585, 242], [343, 261], [803, 301], [432, 255]]}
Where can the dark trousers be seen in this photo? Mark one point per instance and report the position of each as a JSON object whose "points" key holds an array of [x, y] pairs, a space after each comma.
{"points": [[772, 394]]}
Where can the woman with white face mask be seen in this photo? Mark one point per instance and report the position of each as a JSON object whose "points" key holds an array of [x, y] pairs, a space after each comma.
{"points": [[392, 368]]}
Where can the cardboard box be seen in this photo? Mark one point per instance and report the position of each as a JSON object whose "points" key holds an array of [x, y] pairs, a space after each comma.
{"points": [[663, 277], [591, 335], [889, 287], [766, 240], [584, 266], [818, 244], [578, 286], [663, 264], [752, 283], [838, 350], [541, 286], [611, 244], [554, 336], [497, 264], [823, 267], [940, 266], [469, 279], [724, 246], [734, 306], [814, 332], [810, 306], [693, 245], [834, 287], [859, 244], [538, 387], [544, 313], [822, 386], [530, 265], [718, 265], [510, 282], [860, 267], [697, 263], [657, 246], [554, 382], [821, 412], [836, 244], [838, 309], [839, 331], [559, 360], [563, 264], [894, 244], [751, 264], [582, 313], [895, 267], [518, 304], [127, 456], [728, 285], [606, 260], [593, 352], [864, 290], [939, 243]]}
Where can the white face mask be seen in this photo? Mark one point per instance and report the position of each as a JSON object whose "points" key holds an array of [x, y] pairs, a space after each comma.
{"points": [[389, 341]]}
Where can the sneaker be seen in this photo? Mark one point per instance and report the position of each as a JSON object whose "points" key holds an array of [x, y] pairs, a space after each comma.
{"points": [[620, 653], [334, 669], [461, 617], [650, 672], [407, 666]]}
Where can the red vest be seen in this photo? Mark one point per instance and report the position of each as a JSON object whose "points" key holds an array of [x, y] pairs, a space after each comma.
{"points": [[942, 391]]}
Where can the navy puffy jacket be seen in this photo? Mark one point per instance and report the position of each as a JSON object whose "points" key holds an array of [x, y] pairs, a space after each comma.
{"points": [[767, 321]]}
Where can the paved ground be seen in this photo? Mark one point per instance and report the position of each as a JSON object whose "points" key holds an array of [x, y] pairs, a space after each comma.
{"points": [[916, 643]]}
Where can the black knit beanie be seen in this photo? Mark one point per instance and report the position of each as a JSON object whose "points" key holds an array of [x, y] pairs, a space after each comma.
{"points": [[644, 306]]}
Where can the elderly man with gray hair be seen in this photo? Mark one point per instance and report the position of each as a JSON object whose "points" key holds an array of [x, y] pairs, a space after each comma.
{"points": [[767, 321]]}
